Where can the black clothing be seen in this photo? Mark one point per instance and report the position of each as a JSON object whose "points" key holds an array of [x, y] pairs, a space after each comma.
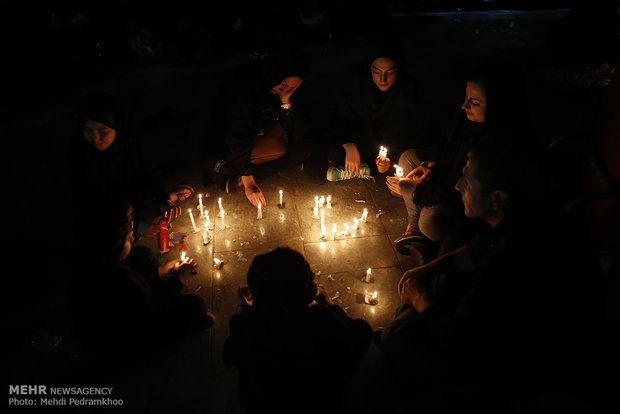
{"points": [[450, 154], [371, 118], [282, 359], [241, 111], [124, 309]]}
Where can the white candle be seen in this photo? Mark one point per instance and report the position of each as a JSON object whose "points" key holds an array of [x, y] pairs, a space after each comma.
{"points": [[219, 202], [206, 238], [365, 215], [368, 273], [208, 220], [281, 199], [346, 229], [191, 216], [259, 214], [355, 223], [200, 205], [382, 153], [217, 263], [334, 228], [222, 214], [183, 255], [316, 201], [315, 212], [329, 201], [399, 171], [322, 201]]}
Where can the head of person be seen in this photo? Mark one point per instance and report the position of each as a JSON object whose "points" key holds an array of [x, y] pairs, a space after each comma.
{"points": [[384, 72], [494, 93], [281, 281], [284, 67], [496, 180], [99, 118]]}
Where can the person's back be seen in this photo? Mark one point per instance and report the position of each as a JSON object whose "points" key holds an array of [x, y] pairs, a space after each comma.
{"points": [[285, 352]]}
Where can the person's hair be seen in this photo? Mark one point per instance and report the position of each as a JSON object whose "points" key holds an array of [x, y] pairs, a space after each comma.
{"points": [[281, 280], [500, 164], [102, 107]]}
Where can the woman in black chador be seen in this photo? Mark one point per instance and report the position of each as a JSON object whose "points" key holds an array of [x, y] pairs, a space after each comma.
{"points": [[106, 162], [377, 107]]}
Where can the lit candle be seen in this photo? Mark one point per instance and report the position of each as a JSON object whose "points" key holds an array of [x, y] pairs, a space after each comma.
{"points": [[346, 229], [259, 215], [191, 216], [322, 219], [334, 228], [355, 223], [200, 205], [368, 273], [217, 263], [322, 201], [222, 214], [219, 202], [399, 171], [371, 299], [329, 201], [281, 205], [382, 153], [315, 212], [183, 255], [365, 215], [316, 201]]}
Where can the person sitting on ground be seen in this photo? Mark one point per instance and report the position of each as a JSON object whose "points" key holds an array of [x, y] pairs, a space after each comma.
{"points": [[279, 339], [257, 125], [380, 110], [507, 293], [494, 100], [125, 304], [106, 161]]}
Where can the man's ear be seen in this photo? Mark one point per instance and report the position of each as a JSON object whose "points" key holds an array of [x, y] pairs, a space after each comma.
{"points": [[500, 200]]}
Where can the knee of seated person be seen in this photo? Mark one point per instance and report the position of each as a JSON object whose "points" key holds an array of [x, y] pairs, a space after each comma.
{"points": [[408, 160], [437, 222]]}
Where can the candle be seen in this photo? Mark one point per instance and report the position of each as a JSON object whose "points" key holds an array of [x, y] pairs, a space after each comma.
{"points": [[399, 171], [322, 201], [368, 273], [208, 220], [346, 229], [315, 212], [371, 299], [382, 153], [219, 202], [217, 263], [365, 215], [329, 201], [316, 201], [281, 205], [200, 205], [355, 223], [206, 237], [222, 214], [183, 255], [191, 216], [259, 215], [334, 227]]}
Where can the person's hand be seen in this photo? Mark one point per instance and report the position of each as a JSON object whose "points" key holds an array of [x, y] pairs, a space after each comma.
{"points": [[167, 268], [413, 293], [286, 88], [401, 185], [244, 296], [253, 191], [183, 269], [420, 174], [382, 166], [352, 161], [322, 297]]}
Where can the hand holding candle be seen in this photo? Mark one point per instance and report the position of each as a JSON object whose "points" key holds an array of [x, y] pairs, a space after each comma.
{"points": [[399, 171], [382, 153]]}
